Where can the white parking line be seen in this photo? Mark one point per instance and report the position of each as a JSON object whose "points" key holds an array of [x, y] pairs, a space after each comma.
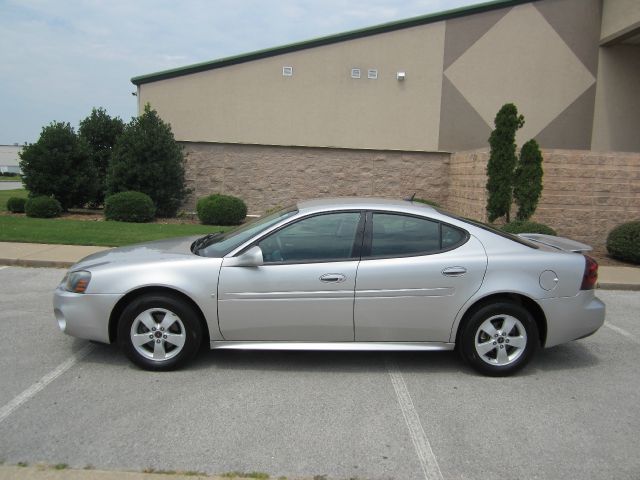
{"points": [[23, 397], [621, 331], [428, 461]]}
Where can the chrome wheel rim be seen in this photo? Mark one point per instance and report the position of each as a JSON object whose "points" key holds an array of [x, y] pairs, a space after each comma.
{"points": [[158, 334], [500, 340]]}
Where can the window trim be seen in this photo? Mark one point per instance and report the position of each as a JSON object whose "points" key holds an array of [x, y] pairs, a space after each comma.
{"points": [[368, 236], [357, 246]]}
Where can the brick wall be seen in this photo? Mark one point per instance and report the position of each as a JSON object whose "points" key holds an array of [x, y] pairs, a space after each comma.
{"points": [[585, 193], [268, 176]]}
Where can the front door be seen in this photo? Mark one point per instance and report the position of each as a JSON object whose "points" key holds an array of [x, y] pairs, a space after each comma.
{"points": [[305, 289]]}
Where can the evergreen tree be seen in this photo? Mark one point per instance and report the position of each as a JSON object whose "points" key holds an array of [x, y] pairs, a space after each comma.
{"points": [[528, 180], [101, 132], [147, 159], [59, 165], [502, 162]]}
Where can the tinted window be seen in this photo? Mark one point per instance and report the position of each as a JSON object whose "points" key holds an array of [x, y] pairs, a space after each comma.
{"points": [[398, 235], [327, 237], [452, 237]]}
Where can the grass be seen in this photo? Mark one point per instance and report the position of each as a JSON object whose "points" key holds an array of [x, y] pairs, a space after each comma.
{"points": [[60, 466], [84, 232], [10, 179], [6, 194]]}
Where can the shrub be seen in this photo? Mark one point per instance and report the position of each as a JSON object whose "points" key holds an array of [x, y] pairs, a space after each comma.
{"points": [[16, 204], [426, 202], [623, 242], [58, 165], [527, 185], [43, 207], [129, 207], [221, 210], [147, 159], [528, 227], [502, 162], [101, 132]]}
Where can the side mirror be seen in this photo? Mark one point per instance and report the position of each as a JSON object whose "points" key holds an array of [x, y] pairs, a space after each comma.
{"points": [[250, 258]]}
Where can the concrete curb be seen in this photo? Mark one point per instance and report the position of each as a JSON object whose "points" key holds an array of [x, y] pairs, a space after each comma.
{"points": [[21, 262], [619, 286]]}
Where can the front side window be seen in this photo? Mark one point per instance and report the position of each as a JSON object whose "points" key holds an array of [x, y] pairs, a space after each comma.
{"points": [[321, 238]]}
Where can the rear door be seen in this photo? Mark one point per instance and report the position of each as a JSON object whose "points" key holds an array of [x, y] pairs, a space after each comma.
{"points": [[414, 276]]}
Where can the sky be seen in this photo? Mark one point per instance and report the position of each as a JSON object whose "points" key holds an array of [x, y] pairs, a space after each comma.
{"points": [[59, 59]]}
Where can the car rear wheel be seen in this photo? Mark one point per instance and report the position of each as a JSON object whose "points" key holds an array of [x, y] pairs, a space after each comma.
{"points": [[159, 332], [499, 339]]}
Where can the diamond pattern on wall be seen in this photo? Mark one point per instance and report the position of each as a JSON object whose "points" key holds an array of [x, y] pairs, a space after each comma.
{"points": [[523, 60]]}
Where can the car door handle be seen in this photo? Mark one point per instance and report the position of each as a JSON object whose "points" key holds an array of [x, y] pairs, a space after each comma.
{"points": [[332, 278], [454, 271]]}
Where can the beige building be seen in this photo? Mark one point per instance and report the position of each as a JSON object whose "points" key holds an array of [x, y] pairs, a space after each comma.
{"points": [[382, 110], [431, 83]]}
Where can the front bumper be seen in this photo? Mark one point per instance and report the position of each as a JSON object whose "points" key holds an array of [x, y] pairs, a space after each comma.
{"points": [[571, 318], [84, 315]]}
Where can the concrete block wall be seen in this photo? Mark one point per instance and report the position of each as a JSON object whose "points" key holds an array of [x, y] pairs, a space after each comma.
{"points": [[585, 193]]}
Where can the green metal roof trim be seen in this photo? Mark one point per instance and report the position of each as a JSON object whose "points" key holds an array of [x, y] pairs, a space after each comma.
{"points": [[328, 40]]}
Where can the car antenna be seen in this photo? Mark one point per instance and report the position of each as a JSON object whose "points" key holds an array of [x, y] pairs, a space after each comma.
{"points": [[410, 199]]}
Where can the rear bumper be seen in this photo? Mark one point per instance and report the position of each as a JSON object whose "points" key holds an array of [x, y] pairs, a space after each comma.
{"points": [[84, 315], [571, 318]]}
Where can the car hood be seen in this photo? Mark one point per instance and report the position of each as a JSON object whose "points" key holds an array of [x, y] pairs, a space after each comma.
{"points": [[159, 250]]}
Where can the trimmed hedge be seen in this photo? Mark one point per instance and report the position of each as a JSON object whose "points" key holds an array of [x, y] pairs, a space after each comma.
{"points": [[623, 242], [220, 209], [16, 204], [427, 202], [42, 207], [134, 207], [528, 227]]}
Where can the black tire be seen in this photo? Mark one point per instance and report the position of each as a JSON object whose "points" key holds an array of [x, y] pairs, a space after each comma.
{"points": [[517, 357], [187, 327]]}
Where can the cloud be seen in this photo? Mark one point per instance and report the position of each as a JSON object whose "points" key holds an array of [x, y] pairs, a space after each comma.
{"points": [[60, 59]]}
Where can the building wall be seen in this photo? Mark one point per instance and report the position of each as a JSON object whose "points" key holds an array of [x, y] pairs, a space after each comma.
{"points": [[269, 176], [9, 158], [541, 55], [619, 17], [585, 193], [616, 126]]}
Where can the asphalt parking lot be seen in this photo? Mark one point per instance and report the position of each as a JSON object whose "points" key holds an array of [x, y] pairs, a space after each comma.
{"points": [[573, 413]]}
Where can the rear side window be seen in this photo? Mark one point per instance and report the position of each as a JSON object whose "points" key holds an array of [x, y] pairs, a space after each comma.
{"points": [[395, 235]]}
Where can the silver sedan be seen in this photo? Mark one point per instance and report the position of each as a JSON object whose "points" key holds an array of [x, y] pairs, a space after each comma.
{"points": [[338, 274]]}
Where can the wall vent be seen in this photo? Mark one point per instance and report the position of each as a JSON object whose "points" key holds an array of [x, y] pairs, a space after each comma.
{"points": [[355, 73], [287, 71], [372, 73]]}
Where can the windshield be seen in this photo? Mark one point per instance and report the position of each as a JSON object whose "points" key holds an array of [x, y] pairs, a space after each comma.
{"points": [[218, 245]]}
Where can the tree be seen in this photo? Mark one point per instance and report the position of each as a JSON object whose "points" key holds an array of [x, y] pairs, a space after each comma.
{"points": [[101, 132], [502, 162], [147, 159], [528, 180], [59, 165]]}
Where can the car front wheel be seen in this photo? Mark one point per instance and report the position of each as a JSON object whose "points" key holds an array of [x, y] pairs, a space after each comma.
{"points": [[499, 339], [159, 332]]}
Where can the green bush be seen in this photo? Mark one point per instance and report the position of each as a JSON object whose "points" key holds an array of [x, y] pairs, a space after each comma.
{"points": [[146, 158], [426, 202], [59, 165], [623, 242], [528, 227], [527, 186], [129, 207], [221, 210], [43, 207], [502, 161], [16, 204]]}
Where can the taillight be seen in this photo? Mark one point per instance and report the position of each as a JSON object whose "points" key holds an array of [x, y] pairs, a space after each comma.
{"points": [[590, 277]]}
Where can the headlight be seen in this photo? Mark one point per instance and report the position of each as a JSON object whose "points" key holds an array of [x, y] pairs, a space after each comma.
{"points": [[77, 282]]}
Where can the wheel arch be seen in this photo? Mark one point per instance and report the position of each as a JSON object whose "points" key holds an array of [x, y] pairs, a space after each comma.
{"points": [[116, 313], [528, 303]]}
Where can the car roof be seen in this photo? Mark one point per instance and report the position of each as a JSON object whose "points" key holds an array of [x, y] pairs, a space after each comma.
{"points": [[361, 203]]}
